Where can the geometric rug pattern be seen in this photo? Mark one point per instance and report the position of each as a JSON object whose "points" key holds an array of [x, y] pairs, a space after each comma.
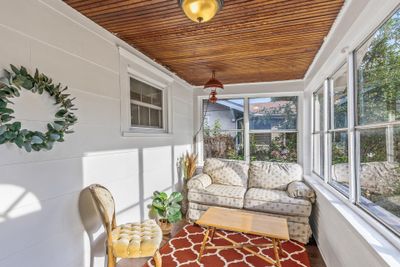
{"points": [[183, 250]]}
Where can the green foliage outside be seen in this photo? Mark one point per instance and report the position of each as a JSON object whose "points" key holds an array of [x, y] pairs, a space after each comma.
{"points": [[339, 148], [379, 75], [378, 101], [281, 117], [378, 80], [282, 148], [218, 144]]}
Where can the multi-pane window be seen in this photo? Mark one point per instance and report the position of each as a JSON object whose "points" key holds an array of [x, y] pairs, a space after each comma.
{"points": [[273, 128], [271, 131], [318, 132], [146, 105], [378, 121], [338, 132], [223, 129], [364, 119]]}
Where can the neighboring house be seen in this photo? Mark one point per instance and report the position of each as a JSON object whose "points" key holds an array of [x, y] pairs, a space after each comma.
{"points": [[264, 115], [228, 113]]}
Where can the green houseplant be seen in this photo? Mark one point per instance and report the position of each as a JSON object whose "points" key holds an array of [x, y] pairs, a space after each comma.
{"points": [[167, 208]]}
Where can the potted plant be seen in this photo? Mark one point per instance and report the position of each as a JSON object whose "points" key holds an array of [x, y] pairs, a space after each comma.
{"points": [[167, 208]]}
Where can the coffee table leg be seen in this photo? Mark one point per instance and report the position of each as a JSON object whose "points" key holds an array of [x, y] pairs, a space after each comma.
{"points": [[280, 247], [203, 244], [277, 260], [212, 233]]}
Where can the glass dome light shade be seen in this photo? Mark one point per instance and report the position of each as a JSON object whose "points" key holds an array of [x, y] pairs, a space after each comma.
{"points": [[213, 83], [201, 10]]}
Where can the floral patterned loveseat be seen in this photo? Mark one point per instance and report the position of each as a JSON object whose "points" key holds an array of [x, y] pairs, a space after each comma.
{"points": [[269, 187]]}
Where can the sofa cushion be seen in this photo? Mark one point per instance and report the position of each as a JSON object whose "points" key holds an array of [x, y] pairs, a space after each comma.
{"points": [[273, 175], [219, 195], [276, 201], [199, 181], [301, 190], [226, 172]]}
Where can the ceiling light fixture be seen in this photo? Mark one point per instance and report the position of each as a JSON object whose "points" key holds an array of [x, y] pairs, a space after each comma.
{"points": [[201, 10], [213, 84]]}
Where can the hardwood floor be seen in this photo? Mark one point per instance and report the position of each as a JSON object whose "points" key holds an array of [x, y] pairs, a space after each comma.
{"points": [[312, 249], [316, 259]]}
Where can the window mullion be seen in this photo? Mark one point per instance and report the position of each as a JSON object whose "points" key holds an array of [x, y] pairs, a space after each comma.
{"points": [[274, 131], [351, 113], [331, 101], [331, 125], [246, 133], [146, 105], [325, 130]]}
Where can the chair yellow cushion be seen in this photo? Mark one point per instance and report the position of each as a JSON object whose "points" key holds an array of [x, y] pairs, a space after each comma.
{"points": [[134, 240]]}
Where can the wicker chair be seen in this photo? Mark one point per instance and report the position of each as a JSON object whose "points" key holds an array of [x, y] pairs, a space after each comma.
{"points": [[131, 240]]}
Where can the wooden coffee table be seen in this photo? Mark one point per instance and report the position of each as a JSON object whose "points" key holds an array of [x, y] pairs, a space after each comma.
{"points": [[244, 222]]}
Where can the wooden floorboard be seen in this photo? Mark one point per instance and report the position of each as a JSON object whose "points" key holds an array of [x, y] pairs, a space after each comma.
{"points": [[312, 249]]}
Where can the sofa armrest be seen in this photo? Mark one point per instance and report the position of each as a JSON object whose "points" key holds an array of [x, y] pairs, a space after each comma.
{"points": [[199, 181], [298, 189]]}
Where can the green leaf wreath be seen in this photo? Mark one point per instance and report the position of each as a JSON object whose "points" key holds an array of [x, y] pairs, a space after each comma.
{"points": [[12, 132]]}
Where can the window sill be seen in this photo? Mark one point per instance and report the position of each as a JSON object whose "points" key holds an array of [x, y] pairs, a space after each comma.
{"points": [[146, 134], [368, 229]]}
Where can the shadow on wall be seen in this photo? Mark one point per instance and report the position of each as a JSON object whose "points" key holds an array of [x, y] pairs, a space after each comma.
{"points": [[37, 216], [44, 209], [92, 224], [132, 196], [13, 197]]}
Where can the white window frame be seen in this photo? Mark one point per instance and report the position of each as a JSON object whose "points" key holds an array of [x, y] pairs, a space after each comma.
{"points": [[353, 149], [164, 108], [331, 129], [322, 131], [246, 130], [136, 68], [370, 126], [353, 200]]}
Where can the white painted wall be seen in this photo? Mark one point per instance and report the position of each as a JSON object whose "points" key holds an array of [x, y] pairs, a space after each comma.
{"points": [[40, 223], [345, 235]]}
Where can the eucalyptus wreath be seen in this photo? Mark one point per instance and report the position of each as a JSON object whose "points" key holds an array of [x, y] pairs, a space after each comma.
{"points": [[12, 132]]}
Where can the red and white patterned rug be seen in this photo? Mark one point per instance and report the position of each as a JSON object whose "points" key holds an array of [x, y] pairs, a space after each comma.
{"points": [[183, 249]]}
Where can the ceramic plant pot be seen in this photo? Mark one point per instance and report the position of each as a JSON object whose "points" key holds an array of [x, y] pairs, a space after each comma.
{"points": [[165, 226]]}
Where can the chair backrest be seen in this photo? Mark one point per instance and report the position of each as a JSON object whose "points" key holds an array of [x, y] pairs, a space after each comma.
{"points": [[105, 205]]}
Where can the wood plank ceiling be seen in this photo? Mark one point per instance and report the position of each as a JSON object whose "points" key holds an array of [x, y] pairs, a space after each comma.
{"points": [[248, 41]]}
